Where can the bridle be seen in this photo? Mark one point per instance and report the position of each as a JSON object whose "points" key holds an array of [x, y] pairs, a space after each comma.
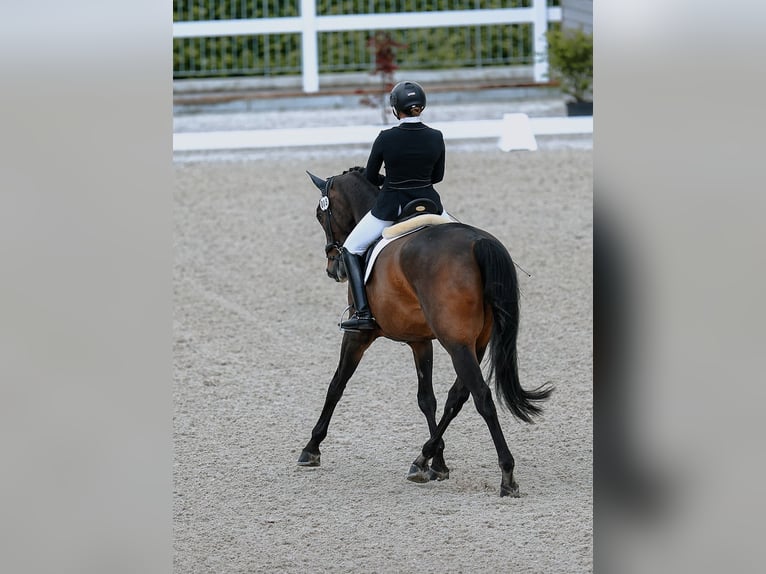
{"points": [[324, 205]]}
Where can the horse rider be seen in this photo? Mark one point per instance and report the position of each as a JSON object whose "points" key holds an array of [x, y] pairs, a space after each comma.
{"points": [[413, 154]]}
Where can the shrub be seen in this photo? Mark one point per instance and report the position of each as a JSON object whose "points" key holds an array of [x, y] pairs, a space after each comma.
{"points": [[570, 62]]}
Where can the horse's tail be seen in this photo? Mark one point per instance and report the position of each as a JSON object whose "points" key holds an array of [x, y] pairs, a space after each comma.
{"points": [[501, 291]]}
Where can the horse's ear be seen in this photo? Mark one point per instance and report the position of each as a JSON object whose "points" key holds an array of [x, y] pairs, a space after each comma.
{"points": [[318, 181]]}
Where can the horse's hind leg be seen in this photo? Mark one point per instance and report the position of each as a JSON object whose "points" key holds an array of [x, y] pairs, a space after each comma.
{"points": [[352, 348], [424, 359], [469, 372], [456, 398], [434, 447]]}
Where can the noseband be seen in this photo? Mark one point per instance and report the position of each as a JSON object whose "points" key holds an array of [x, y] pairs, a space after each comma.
{"points": [[324, 205]]}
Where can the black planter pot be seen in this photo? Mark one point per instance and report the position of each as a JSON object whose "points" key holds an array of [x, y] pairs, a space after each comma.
{"points": [[579, 108]]}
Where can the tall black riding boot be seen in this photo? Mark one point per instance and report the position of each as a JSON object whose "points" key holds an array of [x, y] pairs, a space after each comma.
{"points": [[362, 319]]}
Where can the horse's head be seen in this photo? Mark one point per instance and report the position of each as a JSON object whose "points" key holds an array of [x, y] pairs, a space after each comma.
{"points": [[345, 199]]}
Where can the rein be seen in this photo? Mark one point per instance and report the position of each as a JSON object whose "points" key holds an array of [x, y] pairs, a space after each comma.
{"points": [[324, 205]]}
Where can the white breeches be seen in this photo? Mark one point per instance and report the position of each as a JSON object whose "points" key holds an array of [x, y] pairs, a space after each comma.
{"points": [[366, 231]]}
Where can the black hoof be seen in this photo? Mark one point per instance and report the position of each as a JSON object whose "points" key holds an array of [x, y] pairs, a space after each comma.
{"points": [[308, 459], [438, 474], [418, 474], [512, 490]]}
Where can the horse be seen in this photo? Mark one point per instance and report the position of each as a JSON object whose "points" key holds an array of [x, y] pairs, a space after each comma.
{"points": [[451, 282]]}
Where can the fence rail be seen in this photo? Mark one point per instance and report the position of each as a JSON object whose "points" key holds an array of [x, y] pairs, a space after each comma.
{"points": [[309, 25]]}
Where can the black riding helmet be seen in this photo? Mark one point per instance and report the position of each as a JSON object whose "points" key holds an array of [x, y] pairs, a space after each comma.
{"points": [[406, 95]]}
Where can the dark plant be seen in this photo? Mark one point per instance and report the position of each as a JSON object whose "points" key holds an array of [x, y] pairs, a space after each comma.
{"points": [[384, 48]]}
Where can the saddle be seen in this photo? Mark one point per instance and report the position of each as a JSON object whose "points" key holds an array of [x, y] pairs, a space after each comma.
{"points": [[416, 214]]}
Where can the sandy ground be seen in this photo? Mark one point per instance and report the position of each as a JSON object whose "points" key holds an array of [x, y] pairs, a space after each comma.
{"points": [[256, 344]]}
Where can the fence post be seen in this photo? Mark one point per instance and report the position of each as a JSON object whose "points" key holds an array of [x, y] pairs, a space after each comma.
{"points": [[309, 51], [540, 43]]}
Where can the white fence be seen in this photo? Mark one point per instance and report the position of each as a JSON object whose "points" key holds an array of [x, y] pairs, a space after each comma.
{"points": [[309, 24]]}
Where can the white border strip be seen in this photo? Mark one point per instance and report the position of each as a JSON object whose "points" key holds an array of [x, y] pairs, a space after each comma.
{"points": [[324, 136]]}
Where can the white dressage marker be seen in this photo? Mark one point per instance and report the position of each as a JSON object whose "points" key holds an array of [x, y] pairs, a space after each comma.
{"points": [[517, 133]]}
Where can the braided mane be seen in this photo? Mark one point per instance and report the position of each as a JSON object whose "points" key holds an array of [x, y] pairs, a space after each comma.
{"points": [[357, 168], [362, 172]]}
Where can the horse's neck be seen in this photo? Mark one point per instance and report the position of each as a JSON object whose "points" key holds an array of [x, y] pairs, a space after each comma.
{"points": [[362, 201]]}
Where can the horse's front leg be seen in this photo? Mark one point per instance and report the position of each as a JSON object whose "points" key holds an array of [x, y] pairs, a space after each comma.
{"points": [[424, 359], [351, 350]]}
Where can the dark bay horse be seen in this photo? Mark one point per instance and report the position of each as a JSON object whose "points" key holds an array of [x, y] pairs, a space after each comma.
{"points": [[451, 282]]}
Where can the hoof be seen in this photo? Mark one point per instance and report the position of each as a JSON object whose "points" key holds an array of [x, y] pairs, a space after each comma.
{"points": [[438, 474], [308, 459], [418, 474], [512, 490]]}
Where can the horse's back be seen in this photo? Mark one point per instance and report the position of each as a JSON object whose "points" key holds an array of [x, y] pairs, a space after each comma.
{"points": [[447, 237], [430, 281]]}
